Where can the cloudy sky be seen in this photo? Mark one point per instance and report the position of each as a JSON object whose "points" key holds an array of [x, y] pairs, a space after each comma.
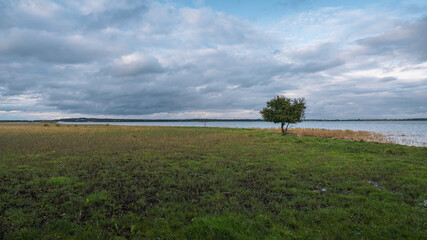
{"points": [[211, 59]]}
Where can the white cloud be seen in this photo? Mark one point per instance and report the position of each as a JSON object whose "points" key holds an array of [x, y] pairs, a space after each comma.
{"points": [[135, 64], [39, 8], [127, 58]]}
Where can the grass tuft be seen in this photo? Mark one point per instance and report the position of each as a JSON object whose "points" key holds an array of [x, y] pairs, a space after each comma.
{"points": [[59, 180]]}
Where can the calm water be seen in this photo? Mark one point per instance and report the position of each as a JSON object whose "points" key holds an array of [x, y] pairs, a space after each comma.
{"points": [[412, 133]]}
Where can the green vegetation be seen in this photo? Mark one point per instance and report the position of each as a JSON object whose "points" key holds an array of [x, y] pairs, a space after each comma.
{"points": [[285, 111], [88, 182]]}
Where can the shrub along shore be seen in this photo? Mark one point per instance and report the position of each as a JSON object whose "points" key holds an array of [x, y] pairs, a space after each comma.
{"points": [[97, 181]]}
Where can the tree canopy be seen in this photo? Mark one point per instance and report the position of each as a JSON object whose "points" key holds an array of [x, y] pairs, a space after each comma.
{"points": [[285, 111]]}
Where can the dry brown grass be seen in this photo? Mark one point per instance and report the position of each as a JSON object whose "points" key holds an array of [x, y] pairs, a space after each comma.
{"points": [[338, 134], [14, 133], [71, 139]]}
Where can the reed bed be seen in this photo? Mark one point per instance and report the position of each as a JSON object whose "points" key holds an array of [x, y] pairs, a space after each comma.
{"points": [[338, 134]]}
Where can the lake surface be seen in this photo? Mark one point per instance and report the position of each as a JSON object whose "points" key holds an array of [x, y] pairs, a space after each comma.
{"points": [[413, 133]]}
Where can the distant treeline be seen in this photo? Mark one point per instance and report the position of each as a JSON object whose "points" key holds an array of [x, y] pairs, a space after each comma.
{"points": [[154, 120], [198, 120]]}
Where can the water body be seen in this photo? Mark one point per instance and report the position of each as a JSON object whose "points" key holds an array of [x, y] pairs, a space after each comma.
{"points": [[413, 133]]}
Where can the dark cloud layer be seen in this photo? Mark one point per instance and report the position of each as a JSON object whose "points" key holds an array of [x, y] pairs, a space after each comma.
{"points": [[145, 58], [408, 39], [49, 47]]}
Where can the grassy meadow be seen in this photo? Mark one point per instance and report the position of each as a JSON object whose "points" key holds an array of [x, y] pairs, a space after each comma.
{"points": [[127, 182]]}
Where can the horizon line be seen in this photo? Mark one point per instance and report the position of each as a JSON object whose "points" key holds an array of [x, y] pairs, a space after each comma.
{"points": [[84, 119]]}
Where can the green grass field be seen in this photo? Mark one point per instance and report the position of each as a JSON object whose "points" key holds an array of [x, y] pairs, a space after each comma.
{"points": [[113, 182]]}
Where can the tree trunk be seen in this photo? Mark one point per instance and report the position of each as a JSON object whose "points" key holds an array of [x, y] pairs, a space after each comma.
{"points": [[286, 129], [283, 131]]}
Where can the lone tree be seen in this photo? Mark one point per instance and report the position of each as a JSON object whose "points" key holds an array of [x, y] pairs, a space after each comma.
{"points": [[285, 111]]}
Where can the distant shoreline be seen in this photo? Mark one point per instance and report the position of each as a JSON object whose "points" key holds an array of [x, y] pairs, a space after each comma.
{"points": [[202, 120]]}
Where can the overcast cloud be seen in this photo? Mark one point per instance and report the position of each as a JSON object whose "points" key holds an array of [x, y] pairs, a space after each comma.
{"points": [[152, 59]]}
